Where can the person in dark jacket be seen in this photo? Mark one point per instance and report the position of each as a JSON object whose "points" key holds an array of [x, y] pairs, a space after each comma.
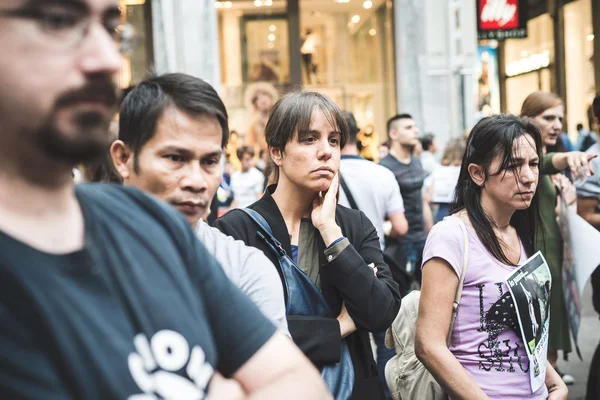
{"points": [[337, 247]]}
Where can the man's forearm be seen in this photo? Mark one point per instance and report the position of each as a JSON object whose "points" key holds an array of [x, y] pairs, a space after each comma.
{"points": [[295, 383]]}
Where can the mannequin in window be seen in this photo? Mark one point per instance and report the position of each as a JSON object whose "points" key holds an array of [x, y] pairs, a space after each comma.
{"points": [[308, 50]]}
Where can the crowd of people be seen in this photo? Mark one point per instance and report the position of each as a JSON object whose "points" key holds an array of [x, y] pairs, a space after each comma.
{"points": [[123, 289]]}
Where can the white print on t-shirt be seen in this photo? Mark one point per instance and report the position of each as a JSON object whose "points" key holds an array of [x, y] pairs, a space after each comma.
{"points": [[502, 355], [155, 367]]}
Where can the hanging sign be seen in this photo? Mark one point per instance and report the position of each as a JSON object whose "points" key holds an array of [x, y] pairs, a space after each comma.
{"points": [[501, 19]]}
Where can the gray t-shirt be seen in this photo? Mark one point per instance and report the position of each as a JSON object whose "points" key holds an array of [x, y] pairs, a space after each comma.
{"points": [[374, 190], [410, 178], [250, 270]]}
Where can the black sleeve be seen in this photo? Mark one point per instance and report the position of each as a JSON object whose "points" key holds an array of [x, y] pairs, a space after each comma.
{"points": [[224, 226], [319, 338], [372, 301], [239, 328], [26, 372]]}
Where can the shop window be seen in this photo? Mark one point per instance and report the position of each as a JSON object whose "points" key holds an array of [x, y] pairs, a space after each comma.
{"points": [[135, 63], [529, 62], [579, 67], [346, 51], [352, 61], [265, 49]]}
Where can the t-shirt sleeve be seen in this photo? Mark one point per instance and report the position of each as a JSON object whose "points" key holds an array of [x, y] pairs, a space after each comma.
{"points": [[250, 270], [445, 242], [394, 202], [239, 328]]}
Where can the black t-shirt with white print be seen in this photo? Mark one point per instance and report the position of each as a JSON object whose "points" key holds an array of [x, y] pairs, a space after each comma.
{"points": [[142, 312]]}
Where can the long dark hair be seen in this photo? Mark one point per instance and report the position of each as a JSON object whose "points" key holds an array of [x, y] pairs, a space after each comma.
{"points": [[491, 137]]}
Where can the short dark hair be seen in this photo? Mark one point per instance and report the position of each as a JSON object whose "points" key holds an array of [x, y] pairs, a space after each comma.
{"points": [[579, 126], [353, 128], [244, 150], [146, 103], [427, 141], [395, 118], [293, 112], [596, 106]]}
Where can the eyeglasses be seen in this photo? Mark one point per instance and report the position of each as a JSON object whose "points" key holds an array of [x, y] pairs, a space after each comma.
{"points": [[69, 28]]}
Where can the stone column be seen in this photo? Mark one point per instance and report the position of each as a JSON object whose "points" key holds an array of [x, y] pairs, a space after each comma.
{"points": [[186, 38], [435, 54]]}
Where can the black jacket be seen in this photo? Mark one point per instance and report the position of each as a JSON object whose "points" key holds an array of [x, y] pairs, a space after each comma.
{"points": [[372, 302]]}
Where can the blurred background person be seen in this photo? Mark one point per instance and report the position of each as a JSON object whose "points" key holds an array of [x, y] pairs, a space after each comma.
{"points": [[409, 173], [585, 139], [445, 177], [546, 110], [259, 100], [383, 149], [427, 157], [588, 207], [248, 183], [372, 189]]}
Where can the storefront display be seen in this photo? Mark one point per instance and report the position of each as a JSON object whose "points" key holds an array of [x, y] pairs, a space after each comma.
{"points": [[530, 64], [487, 86], [344, 50], [135, 62], [527, 62]]}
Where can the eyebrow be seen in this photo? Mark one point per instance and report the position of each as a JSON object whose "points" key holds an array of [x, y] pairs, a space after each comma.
{"points": [[520, 159], [188, 152], [316, 132], [79, 4], [213, 154]]}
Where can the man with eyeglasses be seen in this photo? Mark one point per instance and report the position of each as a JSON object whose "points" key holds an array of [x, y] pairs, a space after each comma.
{"points": [[105, 293]]}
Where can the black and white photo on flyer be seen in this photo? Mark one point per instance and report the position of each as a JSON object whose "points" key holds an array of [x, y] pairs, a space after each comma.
{"points": [[530, 287]]}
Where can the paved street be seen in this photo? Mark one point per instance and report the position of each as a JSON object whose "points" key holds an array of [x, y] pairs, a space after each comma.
{"points": [[589, 336]]}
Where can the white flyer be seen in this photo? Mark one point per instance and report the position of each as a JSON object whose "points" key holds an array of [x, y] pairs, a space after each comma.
{"points": [[530, 287]]}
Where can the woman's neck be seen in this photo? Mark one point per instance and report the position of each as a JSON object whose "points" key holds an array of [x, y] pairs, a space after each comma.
{"points": [[499, 216], [293, 203]]}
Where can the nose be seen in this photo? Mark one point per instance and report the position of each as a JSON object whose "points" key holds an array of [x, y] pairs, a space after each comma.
{"points": [[193, 179], [528, 176], [100, 55], [558, 124], [325, 150]]}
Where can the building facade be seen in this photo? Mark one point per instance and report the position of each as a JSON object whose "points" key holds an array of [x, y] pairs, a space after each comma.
{"points": [[559, 54], [375, 58]]}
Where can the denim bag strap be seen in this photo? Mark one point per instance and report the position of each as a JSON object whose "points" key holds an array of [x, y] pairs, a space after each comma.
{"points": [[304, 298]]}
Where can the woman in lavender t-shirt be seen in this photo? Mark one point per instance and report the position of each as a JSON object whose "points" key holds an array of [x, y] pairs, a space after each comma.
{"points": [[496, 199]]}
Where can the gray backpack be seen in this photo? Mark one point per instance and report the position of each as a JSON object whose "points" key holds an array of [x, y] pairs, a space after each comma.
{"points": [[406, 377]]}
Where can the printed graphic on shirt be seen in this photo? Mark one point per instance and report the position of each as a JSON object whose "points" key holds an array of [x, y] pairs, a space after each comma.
{"points": [[494, 352], [530, 286], [165, 368]]}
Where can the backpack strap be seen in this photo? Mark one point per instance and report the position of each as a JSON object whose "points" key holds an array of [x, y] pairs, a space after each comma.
{"points": [[461, 282], [265, 232], [348, 193]]}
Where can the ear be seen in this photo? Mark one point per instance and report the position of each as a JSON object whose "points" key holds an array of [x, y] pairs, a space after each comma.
{"points": [[122, 158], [392, 134], [276, 156], [477, 174]]}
